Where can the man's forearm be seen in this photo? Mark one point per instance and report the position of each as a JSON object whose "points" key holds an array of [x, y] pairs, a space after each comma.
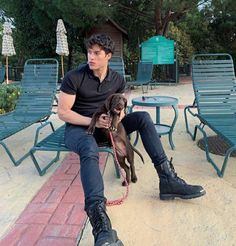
{"points": [[74, 118]]}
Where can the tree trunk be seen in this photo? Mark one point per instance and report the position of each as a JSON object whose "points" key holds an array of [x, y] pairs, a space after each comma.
{"points": [[158, 18], [162, 21]]}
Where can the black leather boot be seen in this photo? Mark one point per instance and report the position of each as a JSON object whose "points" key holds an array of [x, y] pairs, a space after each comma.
{"points": [[171, 186], [103, 233]]}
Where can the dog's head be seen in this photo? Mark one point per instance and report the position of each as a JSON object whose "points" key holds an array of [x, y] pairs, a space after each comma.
{"points": [[115, 103]]}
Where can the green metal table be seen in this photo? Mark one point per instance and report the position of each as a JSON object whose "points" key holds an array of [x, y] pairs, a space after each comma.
{"points": [[158, 102]]}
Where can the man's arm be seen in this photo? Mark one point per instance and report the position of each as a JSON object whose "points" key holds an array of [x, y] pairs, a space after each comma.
{"points": [[65, 113]]}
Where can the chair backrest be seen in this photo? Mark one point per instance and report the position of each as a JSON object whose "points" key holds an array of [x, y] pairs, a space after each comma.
{"points": [[2, 73], [144, 72], [214, 83], [40, 73], [117, 64], [39, 85]]}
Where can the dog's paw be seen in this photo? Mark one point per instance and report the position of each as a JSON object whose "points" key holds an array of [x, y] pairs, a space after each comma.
{"points": [[134, 179], [90, 131], [125, 183]]}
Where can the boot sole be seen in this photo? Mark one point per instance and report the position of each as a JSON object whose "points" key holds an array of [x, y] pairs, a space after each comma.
{"points": [[173, 196], [117, 243]]}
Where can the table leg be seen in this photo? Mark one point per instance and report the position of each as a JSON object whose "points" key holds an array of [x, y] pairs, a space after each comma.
{"points": [[172, 127], [158, 120], [130, 110]]}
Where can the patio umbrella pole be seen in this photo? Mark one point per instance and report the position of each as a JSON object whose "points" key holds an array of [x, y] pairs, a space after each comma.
{"points": [[62, 45], [62, 67], [7, 45], [7, 69]]}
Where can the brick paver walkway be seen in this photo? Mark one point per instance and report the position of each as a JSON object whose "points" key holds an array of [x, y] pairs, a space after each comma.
{"points": [[55, 216]]}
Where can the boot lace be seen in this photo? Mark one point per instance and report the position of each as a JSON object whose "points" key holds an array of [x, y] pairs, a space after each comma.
{"points": [[100, 220], [174, 172]]}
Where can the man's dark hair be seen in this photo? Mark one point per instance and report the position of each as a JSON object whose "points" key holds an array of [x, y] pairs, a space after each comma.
{"points": [[102, 40]]}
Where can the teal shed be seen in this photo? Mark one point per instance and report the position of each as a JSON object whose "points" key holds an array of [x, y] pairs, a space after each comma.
{"points": [[158, 49]]}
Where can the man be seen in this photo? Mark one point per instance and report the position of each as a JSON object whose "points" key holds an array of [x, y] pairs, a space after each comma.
{"points": [[83, 90]]}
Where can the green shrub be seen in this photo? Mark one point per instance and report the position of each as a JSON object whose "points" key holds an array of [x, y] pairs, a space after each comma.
{"points": [[8, 97]]}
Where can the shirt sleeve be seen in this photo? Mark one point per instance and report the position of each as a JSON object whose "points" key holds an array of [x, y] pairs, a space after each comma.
{"points": [[122, 86], [69, 84]]}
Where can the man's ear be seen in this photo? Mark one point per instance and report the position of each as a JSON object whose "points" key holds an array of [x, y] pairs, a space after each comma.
{"points": [[109, 55]]}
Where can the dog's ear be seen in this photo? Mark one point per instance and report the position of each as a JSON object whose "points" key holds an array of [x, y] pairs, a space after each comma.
{"points": [[126, 102], [108, 103]]}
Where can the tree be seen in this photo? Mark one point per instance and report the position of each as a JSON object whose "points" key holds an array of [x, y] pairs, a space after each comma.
{"points": [[146, 18], [35, 24], [209, 24], [184, 46], [157, 14], [222, 22], [212, 28]]}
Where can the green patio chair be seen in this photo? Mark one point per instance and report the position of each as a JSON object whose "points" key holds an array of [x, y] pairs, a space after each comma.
{"points": [[34, 104], [2, 73], [54, 142], [214, 87], [144, 75]]}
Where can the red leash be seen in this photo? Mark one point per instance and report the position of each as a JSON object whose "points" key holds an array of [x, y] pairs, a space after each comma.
{"points": [[121, 200]]}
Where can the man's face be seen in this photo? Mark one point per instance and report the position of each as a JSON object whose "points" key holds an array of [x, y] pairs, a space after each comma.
{"points": [[97, 58]]}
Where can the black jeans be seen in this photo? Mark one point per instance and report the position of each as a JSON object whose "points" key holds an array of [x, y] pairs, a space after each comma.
{"points": [[78, 141]]}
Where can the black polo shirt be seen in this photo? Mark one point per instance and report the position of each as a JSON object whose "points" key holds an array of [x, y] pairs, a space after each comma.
{"points": [[90, 92]]}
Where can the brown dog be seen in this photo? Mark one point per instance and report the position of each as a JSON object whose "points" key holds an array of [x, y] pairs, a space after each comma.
{"points": [[124, 149]]}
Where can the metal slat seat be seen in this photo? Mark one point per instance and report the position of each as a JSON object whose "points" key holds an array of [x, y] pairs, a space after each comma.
{"points": [[54, 142]]}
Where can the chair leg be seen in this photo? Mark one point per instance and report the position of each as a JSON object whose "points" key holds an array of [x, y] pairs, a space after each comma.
{"points": [[40, 170], [110, 151], [227, 155], [14, 161], [144, 90], [117, 168], [220, 172], [187, 109], [136, 139]]}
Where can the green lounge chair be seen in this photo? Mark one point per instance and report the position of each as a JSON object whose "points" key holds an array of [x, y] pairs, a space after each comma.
{"points": [[116, 63], [2, 73], [38, 88], [214, 87]]}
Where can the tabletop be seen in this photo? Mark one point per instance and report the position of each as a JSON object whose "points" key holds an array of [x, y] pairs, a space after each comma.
{"points": [[155, 101]]}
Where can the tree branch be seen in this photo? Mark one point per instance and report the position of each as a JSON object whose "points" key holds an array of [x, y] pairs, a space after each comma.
{"points": [[130, 9]]}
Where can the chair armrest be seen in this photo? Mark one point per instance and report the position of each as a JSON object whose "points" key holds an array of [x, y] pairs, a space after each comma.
{"points": [[39, 129]]}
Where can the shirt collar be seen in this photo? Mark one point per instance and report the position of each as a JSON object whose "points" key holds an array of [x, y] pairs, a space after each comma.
{"points": [[92, 76]]}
